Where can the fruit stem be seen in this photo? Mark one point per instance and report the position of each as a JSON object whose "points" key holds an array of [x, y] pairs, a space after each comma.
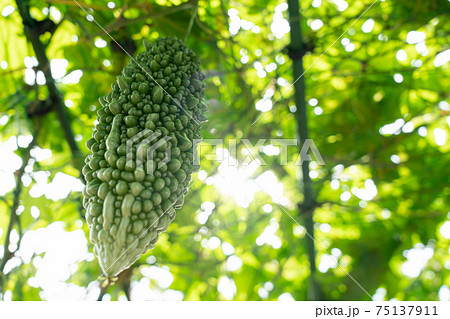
{"points": [[191, 22]]}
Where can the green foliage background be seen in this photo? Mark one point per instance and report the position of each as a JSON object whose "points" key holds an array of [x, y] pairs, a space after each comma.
{"points": [[356, 92]]}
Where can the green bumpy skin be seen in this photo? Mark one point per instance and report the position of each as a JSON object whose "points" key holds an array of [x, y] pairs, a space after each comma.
{"points": [[127, 206]]}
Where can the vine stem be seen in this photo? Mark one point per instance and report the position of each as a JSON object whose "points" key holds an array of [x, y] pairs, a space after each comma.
{"points": [[191, 22], [32, 33], [13, 216], [306, 209]]}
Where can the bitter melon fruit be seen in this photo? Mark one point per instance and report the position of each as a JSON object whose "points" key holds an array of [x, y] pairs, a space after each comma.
{"points": [[143, 152]]}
